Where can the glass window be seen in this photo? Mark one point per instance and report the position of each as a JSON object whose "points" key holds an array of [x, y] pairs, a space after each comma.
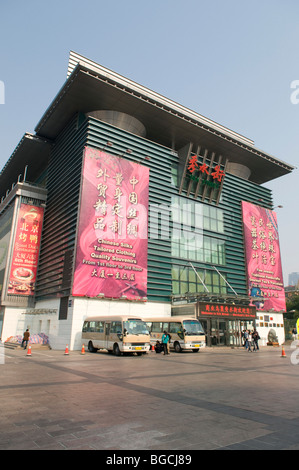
{"points": [[116, 327], [193, 327], [192, 287], [99, 327], [188, 281], [174, 327], [135, 326], [157, 327], [175, 287]]}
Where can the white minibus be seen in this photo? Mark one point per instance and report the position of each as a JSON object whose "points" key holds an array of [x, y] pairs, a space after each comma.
{"points": [[118, 334], [186, 332]]}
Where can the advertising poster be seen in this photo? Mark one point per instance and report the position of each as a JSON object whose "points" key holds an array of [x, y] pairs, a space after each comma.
{"points": [[26, 250], [5, 233], [111, 255], [263, 260]]}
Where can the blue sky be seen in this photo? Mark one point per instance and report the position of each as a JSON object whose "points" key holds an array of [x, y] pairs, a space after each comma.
{"points": [[232, 61]]}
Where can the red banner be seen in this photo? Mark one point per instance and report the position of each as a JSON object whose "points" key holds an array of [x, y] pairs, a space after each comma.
{"points": [[227, 310], [263, 258], [26, 250], [111, 257]]}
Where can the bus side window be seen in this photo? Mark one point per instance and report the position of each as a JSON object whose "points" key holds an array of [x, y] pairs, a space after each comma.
{"points": [[92, 326], [165, 326], [99, 327], [149, 325], [174, 327], [116, 327], [85, 328], [157, 327]]}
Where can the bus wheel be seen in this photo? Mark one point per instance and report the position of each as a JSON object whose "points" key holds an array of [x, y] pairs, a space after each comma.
{"points": [[91, 348], [116, 350], [177, 347]]}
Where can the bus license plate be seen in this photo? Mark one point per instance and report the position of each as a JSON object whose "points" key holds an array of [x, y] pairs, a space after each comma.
{"points": [[138, 347], [196, 345]]}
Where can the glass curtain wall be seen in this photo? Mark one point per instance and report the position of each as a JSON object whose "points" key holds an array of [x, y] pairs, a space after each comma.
{"points": [[197, 237]]}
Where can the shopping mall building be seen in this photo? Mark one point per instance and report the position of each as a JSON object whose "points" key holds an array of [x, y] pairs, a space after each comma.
{"points": [[126, 202]]}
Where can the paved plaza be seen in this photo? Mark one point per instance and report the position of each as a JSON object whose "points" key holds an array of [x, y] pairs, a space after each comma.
{"points": [[216, 399]]}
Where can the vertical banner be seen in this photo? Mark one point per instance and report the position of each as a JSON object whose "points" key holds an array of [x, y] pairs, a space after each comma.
{"points": [[111, 255], [263, 257], [26, 250]]}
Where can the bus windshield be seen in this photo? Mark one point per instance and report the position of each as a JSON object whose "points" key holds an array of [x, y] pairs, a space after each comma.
{"points": [[193, 327], [135, 327]]}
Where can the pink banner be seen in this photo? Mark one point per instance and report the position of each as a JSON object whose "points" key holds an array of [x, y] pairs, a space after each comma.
{"points": [[111, 257], [26, 250], [263, 260]]}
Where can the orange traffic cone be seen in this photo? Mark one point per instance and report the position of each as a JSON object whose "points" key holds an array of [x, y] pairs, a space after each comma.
{"points": [[29, 351], [152, 347], [83, 349], [66, 352], [283, 354]]}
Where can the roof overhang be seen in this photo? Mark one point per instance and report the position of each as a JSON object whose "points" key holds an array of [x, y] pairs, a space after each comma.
{"points": [[27, 162], [92, 88]]}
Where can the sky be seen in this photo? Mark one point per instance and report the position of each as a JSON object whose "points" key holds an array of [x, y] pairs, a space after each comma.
{"points": [[235, 62]]}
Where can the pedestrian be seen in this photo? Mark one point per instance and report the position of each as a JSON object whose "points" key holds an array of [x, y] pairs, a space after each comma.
{"points": [[255, 337], [245, 336], [165, 340], [26, 337], [294, 333], [249, 341]]}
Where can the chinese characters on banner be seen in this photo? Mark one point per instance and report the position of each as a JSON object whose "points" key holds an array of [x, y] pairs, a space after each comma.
{"points": [[225, 310], [111, 256], [263, 257], [26, 250]]}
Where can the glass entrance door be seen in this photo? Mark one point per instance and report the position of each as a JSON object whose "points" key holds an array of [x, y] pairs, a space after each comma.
{"points": [[218, 332], [224, 332], [234, 333]]}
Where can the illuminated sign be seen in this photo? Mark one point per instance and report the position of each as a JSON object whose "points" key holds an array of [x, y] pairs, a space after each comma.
{"points": [[263, 261], [26, 250], [210, 309], [195, 165], [202, 175], [111, 255]]}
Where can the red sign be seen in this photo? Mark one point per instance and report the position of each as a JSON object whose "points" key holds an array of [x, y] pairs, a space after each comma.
{"points": [[26, 250], [111, 257], [263, 258], [194, 165], [227, 310]]}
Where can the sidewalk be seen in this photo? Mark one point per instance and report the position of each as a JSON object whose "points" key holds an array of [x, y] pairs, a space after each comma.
{"points": [[220, 398]]}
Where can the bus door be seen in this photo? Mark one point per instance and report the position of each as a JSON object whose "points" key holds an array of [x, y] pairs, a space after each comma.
{"points": [[107, 334]]}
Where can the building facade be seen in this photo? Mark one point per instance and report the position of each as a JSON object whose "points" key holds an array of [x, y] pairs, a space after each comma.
{"points": [[124, 201]]}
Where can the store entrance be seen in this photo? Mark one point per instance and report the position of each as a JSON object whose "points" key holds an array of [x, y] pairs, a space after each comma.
{"points": [[220, 332]]}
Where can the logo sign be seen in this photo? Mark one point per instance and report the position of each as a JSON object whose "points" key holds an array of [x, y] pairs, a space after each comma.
{"points": [[111, 255], [217, 173], [203, 178], [26, 250], [263, 260]]}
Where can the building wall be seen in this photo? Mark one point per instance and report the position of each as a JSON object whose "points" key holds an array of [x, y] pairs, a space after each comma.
{"points": [[59, 232], [234, 191], [268, 321], [58, 239]]}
